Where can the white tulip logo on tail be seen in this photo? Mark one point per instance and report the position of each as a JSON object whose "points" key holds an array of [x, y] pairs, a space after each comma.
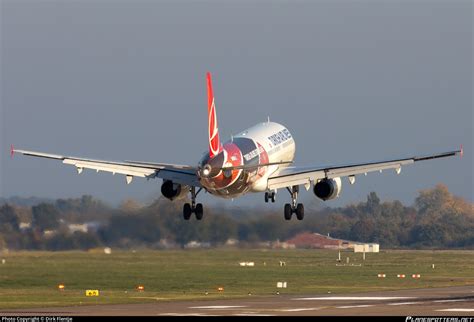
{"points": [[214, 143]]}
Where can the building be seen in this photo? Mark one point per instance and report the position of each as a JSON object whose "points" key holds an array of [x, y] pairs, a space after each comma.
{"points": [[78, 227], [315, 240], [366, 248], [25, 225], [318, 241]]}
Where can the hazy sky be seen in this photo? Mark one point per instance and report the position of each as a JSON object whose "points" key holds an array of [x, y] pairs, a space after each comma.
{"points": [[352, 80]]}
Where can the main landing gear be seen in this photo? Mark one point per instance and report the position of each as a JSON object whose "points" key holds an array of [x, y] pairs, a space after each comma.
{"points": [[294, 208], [189, 209]]}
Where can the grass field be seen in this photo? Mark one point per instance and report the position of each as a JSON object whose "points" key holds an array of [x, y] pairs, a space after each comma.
{"points": [[30, 279]]}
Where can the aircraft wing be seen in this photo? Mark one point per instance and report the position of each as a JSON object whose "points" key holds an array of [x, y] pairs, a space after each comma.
{"points": [[293, 176], [178, 173]]}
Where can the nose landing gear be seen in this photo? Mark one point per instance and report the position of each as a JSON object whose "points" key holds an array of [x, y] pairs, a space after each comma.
{"points": [[269, 196]]}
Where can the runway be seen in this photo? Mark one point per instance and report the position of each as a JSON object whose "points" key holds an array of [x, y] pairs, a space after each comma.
{"points": [[450, 301]]}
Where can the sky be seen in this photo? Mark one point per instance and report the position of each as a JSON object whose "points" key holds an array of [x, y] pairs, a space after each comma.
{"points": [[354, 81]]}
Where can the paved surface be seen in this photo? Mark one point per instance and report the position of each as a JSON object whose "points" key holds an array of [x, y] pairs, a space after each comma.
{"points": [[451, 301]]}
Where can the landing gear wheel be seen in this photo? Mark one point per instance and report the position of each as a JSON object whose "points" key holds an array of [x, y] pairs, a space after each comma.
{"points": [[288, 211], [300, 211], [187, 211], [294, 208], [199, 211], [269, 196]]}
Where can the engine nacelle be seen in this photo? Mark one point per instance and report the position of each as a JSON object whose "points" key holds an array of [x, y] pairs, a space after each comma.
{"points": [[173, 191], [328, 189]]}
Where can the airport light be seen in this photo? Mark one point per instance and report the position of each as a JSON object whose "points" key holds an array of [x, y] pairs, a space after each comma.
{"points": [[61, 287], [220, 289], [140, 288]]}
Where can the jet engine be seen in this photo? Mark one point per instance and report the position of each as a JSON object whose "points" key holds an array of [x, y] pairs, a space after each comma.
{"points": [[173, 191], [328, 189]]}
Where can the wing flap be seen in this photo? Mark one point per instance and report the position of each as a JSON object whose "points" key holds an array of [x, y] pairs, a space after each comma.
{"points": [[293, 177], [184, 177], [344, 172], [161, 165], [113, 168], [182, 174], [303, 176]]}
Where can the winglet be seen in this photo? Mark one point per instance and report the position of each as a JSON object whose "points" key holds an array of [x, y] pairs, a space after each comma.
{"points": [[12, 151], [461, 153], [214, 143]]}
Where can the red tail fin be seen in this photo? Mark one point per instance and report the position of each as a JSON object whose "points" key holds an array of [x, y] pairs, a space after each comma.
{"points": [[214, 143]]}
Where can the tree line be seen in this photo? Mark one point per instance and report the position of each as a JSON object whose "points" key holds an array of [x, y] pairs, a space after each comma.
{"points": [[437, 219]]}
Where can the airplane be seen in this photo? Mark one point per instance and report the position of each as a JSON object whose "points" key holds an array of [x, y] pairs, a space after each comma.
{"points": [[258, 159]]}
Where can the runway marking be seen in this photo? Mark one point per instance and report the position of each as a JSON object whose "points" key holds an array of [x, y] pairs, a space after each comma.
{"points": [[185, 314], [352, 298], [251, 314], [456, 310], [217, 307], [352, 306], [448, 301], [301, 309], [404, 303]]}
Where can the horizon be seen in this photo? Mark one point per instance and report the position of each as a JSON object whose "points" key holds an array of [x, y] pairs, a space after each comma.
{"points": [[315, 205]]}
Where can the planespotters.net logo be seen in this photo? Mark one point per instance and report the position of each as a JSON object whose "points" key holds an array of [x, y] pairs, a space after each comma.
{"points": [[439, 319]]}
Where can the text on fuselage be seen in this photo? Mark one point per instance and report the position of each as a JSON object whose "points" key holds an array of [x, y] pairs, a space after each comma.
{"points": [[280, 137]]}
